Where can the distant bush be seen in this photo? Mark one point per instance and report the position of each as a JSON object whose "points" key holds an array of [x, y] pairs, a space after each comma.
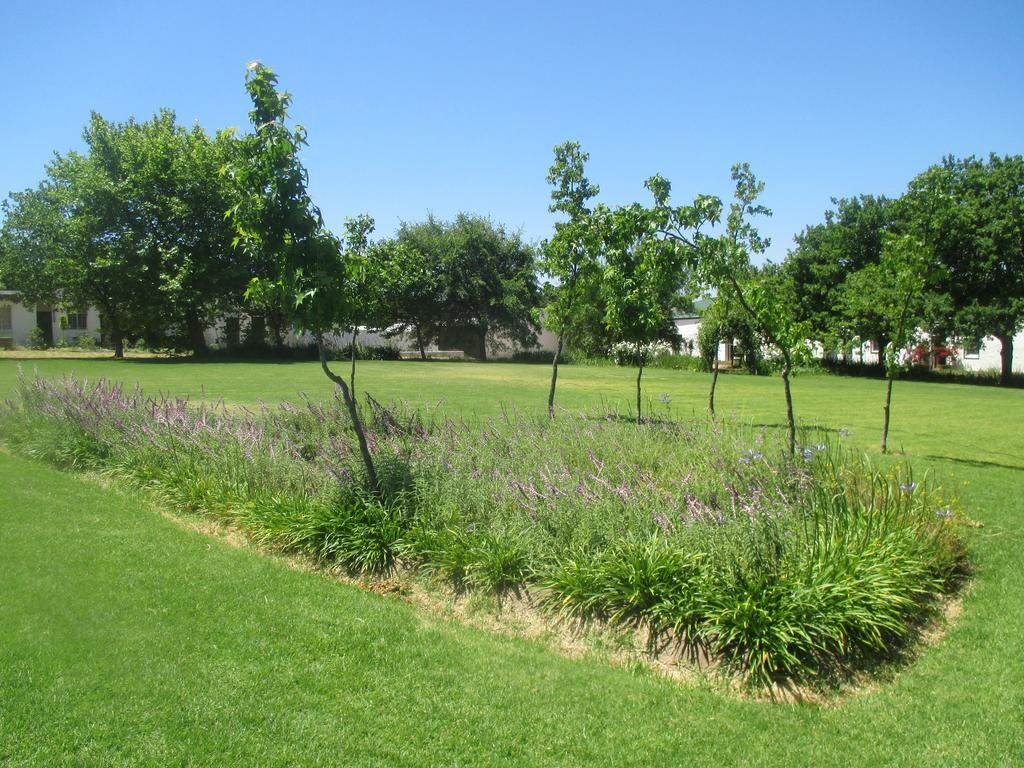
{"points": [[36, 339], [381, 352], [707, 536], [679, 363], [922, 373], [539, 356], [625, 353]]}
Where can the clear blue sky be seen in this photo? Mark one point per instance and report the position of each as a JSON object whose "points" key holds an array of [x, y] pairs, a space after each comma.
{"points": [[442, 107]]}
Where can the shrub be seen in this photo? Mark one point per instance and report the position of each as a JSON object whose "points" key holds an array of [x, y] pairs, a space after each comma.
{"points": [[36, 339], [625, 353]]}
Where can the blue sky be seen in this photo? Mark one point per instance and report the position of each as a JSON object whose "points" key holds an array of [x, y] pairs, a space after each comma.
{"points": [[442, 107]]}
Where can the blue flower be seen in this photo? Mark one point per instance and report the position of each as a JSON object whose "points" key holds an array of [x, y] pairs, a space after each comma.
{"points": [[750, 456], [908, 487]]}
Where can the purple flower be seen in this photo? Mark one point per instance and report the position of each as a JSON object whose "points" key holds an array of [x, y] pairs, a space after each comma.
{"points": [[908, 487], [944, 514]]}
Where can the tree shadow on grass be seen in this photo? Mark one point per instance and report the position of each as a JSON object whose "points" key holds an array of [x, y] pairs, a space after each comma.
{"points": [[975, 462]]}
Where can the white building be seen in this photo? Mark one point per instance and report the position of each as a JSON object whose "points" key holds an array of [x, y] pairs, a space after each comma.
{"points": [[56, 324]]}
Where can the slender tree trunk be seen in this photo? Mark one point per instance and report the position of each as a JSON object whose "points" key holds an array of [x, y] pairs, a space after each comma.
{"points": [[482, 345], [639, 374], [419, 343], [357, 424], [117, 338], [885, 412], [554, 377], [786, 367], [714, 382], [352, 352], [1005, 358]]}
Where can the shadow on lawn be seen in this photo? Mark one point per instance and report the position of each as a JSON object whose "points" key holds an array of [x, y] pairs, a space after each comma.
{"points": [[975, 462]]}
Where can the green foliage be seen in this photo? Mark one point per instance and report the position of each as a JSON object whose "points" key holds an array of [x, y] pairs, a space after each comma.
{"points": [[133, 226], [572, 256], [725, 320], [466, 282], [970, 213], [826, 254], [36, 339]]}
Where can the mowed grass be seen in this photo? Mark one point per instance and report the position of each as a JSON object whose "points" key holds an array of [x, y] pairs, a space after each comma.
{"points": [[126, 639]]}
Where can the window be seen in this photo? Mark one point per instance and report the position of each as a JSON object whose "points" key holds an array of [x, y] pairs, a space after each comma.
{"points": [[873, 346], [78, 321], [972, 353], [5, 318]]}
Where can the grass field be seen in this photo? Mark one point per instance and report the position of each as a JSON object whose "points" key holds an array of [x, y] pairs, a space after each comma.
{"points": [[126, 639]]}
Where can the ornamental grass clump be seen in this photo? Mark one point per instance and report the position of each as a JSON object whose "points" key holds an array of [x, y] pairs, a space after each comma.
{"points": [[709, 538]]}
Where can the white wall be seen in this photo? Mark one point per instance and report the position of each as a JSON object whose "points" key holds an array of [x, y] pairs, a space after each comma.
{"points": [[23, 320], [990, 355]]}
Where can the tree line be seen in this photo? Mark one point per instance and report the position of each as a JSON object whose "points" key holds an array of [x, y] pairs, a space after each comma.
{"points": [[136, 226]]}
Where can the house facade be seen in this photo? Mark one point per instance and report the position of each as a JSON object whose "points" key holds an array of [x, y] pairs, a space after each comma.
{"points": [[56, 324]]}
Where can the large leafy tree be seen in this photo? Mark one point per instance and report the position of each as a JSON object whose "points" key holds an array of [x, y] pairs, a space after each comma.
{"points": [[467, 282], [490, 285], [571, 256], [308, 274], [135, 226], [416, 281], [849, 239], [970, 214]]}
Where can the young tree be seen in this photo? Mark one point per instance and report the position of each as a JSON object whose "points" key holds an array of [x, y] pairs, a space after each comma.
{"points": [[894, 290], [366, 281], [725, 320], [767, 297], [970, 214], [278, 224], [642, 278], [571, 256]]}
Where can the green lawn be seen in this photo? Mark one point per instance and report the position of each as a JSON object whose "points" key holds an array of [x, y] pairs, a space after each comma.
{"points": [[126, 639]]}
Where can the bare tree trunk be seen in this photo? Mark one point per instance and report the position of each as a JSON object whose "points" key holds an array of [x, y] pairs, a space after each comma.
{"points": [[714, 382], [419, 343], [117, 337], [885, 413], [357, 424], [786, 366], [352, 351], [639, 374], [554, 377]]}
